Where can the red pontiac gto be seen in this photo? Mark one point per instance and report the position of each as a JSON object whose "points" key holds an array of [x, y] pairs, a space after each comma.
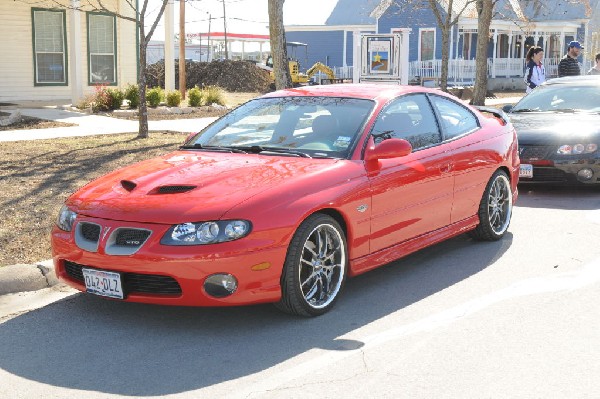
{"points": [[284, 197]]}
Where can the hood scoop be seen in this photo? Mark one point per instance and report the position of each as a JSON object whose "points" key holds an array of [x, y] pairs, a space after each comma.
{"points": [[175, 189], [128, 185]]}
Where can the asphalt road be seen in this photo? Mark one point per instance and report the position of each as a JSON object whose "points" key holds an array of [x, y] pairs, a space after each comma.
{"points": [[514, 318]]}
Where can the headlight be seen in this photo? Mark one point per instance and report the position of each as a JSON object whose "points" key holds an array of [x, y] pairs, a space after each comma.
{"points": [[206, 232], [66, 218], [576, 149]]}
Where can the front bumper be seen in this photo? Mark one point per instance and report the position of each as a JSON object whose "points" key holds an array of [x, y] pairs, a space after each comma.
{"points": [[563, 172], [174, 275]]}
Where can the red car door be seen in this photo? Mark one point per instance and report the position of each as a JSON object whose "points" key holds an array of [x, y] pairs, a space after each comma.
{"points": [[411, 195]]}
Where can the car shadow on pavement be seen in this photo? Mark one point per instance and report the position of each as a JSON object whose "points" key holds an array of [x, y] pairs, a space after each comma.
{"points": [[559, 197], [105, 346]]}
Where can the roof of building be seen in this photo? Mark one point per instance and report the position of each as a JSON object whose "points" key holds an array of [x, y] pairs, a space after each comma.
{"points": [[352, 12]]}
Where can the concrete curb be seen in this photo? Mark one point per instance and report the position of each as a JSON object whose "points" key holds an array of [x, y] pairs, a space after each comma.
{"points": [[21, 277]]}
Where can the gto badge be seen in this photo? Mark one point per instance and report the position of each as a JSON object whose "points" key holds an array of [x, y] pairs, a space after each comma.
{"points": [[362, 208]]}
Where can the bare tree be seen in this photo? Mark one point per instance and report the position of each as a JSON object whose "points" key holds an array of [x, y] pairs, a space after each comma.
{"points": [[485, 10], [144, 39], [445, 24], [281, 70]]}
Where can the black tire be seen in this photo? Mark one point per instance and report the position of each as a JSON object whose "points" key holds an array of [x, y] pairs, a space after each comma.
{"points": [[315, 267], [495, 209]]}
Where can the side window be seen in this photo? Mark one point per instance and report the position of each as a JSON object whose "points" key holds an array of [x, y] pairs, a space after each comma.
{"points": [[456, 120], [102, 48], [49, 47], [410, 118]]}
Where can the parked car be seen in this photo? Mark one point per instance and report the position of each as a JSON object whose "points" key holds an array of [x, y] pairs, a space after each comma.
{"points": [[286, 196], [558, 126]]}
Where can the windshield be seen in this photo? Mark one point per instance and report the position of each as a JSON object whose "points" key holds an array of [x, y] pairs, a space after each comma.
{"points": [[561, 98], [295, 126]]}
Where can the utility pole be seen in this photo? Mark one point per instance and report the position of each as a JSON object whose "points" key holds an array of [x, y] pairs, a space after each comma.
{"points": [[208, 56], [182, 48], [225, 30]]}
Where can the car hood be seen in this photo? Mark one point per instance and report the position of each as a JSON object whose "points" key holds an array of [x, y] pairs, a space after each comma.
{"points": [[551, 128], [192, 186]]}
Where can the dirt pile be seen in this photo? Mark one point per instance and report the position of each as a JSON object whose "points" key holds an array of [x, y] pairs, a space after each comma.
{"points": [[233, 76]]}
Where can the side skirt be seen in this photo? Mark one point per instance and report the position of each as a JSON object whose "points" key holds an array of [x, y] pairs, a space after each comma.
{"points": [[374, 260]]}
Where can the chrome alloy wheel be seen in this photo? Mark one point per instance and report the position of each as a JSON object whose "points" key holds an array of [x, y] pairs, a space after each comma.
{"points": [[500, 204], [322, 266]]}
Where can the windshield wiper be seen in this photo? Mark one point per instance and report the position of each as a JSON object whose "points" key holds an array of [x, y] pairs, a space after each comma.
{"points": [[257, 149], [524, 110], [565, 110], [214, 148]]}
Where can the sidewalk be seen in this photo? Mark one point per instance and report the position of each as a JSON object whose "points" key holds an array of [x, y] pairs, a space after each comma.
{"points": [[87, 125]]}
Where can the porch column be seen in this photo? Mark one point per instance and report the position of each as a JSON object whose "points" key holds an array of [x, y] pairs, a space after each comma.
{"points": [[523, 39], [404, 66], [562, 44], [75, 57], [344, 49], [243, 50], [170, 47], [586, 45], [356, 61], [494, 53], [260, 51]]}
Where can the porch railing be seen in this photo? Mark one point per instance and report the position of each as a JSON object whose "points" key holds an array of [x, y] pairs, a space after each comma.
{"points": [[463, 71]]}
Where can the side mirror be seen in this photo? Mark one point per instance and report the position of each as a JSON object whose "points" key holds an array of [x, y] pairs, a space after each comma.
{"points": [[390, 148], [507, 108]]}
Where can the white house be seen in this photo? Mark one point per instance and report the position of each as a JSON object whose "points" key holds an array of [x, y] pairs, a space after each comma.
{"points": [[53, 53]]}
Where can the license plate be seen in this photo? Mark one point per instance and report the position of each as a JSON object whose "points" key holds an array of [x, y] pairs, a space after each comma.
{"points": [[526, 170], [100, 282]]}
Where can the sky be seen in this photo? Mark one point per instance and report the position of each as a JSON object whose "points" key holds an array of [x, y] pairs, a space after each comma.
{"points": [[243, 16]]}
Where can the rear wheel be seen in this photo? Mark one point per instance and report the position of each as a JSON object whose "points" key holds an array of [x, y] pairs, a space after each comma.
{"points": [[495, 209], [315, 267]]}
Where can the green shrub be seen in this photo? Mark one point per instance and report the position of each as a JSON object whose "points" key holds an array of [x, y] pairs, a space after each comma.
{"points": [[116, 98], [102, 99], [154, 96], [173, 98], [195, 97], [132, 94], [214, 95]]}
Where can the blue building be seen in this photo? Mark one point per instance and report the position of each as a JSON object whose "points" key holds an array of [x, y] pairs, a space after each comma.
{"points": [[516, 26]]}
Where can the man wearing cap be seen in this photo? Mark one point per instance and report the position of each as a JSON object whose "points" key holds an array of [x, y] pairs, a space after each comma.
{"points": [[568, 65]]}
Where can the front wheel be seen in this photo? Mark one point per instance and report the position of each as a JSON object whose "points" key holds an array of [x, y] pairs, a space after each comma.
{"points": [[315, 267], [495, 209]]}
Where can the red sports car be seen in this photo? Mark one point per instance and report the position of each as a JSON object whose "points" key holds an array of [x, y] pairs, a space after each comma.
{"points": [[286, 196]]}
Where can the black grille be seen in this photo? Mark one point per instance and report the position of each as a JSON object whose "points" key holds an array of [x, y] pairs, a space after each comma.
{"points": [[131, 237], [174, 189], [537, 152], [134, 282], [90, 231], [548, 175]]}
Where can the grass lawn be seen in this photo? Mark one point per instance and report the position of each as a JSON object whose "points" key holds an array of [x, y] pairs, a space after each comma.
{"points": [[37, 176]]}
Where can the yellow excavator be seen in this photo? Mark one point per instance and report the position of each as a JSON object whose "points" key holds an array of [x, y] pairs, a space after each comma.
{"points": [[299, 78]]}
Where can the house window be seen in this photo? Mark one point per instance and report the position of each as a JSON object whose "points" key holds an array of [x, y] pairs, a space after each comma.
{"points": [[49, 47], [102, 49], [426, 44]]}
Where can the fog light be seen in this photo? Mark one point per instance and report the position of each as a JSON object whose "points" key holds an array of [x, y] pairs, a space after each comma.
{"points": [[585, 174], [220, 285]]}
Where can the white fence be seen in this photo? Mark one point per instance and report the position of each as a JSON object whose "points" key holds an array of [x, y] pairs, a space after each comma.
{"points": [[463, 71]]}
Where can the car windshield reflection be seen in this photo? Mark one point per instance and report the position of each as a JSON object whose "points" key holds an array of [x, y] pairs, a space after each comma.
{"points": [[294, 126], [561, 98]]}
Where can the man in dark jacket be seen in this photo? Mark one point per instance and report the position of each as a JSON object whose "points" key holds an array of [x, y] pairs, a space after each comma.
{"points": [[568, 65]]}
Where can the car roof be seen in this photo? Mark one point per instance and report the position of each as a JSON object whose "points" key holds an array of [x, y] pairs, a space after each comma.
{"points": [[370, 91], [575, 80]]}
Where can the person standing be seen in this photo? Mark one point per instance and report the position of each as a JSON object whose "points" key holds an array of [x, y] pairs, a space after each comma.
{"points": [[595, 70], [568, 65], [535, 73]]}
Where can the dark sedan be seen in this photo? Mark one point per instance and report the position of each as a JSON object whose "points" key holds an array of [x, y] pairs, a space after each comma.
{"points": [[558, 128]]}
